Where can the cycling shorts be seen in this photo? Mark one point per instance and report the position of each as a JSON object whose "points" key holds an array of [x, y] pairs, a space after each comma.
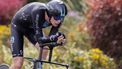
{"points": [[17, 38]]}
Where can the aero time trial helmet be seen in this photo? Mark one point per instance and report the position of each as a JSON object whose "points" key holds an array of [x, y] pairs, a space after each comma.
{"points": [[56, 8]]}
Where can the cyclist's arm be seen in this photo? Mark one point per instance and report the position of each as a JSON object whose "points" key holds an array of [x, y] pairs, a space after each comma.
{"points": [[54, 30], [37, 16]]}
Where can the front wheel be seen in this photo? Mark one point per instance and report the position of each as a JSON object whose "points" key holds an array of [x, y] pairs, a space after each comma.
{"points": [[4, 66]]}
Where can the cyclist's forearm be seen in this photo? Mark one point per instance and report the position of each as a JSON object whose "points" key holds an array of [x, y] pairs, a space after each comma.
{"points": [[46, 39]]}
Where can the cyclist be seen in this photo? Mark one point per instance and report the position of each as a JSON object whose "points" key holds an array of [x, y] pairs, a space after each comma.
{"points": [[30, 21]]}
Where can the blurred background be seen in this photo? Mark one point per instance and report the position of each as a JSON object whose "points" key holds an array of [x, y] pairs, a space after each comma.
{"points": [[93, 29]]}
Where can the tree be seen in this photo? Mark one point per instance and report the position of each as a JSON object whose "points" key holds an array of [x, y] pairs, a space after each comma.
{"points": [[8, 8], [105, 26]]}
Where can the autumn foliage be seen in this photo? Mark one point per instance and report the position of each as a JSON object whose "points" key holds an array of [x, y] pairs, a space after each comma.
{"points": [[105, 26], [8, 8]]}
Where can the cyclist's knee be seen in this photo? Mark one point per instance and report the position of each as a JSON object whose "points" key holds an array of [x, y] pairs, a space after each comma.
{"points": [[17, 62]]}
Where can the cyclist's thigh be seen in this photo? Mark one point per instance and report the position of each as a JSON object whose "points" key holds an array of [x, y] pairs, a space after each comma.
{"points": [[16, 41]]}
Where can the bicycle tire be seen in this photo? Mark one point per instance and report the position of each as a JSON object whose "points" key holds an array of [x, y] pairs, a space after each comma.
{"points": [[4, 66]]}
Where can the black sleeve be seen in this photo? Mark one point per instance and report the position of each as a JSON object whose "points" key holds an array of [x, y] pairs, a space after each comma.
{"points": [[36, 19], [52, 37]]}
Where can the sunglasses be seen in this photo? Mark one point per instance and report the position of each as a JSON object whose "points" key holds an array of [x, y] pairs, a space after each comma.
{"points": [[58, 17]]}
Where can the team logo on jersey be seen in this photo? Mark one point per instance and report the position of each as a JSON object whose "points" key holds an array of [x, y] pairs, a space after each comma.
{"points": [[12, 39]]}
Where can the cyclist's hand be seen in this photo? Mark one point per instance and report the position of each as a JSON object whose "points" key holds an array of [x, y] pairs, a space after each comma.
{"points": [[61, 40]]}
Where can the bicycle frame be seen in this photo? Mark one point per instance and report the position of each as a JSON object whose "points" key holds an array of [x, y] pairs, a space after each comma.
{"points": [[39, 62]]}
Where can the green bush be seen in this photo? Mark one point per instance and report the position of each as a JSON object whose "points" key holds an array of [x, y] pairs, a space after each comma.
{"points": [[91, 59]]}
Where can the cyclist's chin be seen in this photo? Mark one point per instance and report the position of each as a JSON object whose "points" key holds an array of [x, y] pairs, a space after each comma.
{"points": [[55, 25]]}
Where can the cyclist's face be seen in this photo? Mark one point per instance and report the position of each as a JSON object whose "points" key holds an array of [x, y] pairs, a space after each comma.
{"points": [[55, 21]]}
